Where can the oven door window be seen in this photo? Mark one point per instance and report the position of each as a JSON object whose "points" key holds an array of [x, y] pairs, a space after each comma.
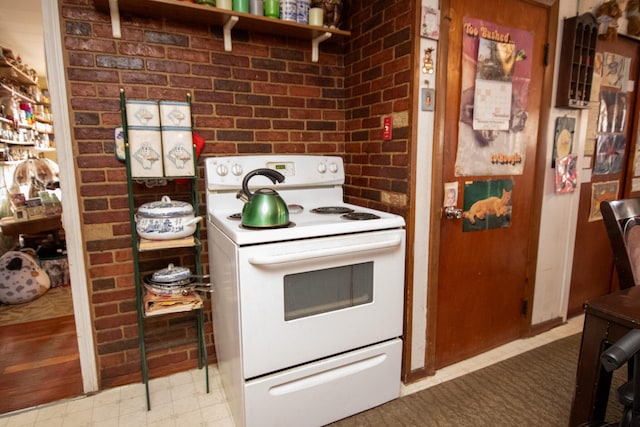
{"points": [[321, 291]]}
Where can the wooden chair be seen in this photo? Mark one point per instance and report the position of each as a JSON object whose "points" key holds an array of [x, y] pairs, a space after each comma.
{"points": [[626, 351], [622, 221]]}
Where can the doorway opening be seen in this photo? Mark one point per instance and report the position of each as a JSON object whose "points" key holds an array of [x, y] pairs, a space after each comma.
{"points": [[71, 331]]}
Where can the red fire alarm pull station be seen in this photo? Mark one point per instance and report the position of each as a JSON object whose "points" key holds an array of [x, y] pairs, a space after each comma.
{"points": [[387, 128]]}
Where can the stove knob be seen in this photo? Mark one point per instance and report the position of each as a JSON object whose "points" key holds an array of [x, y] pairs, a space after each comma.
{"points": [[222, 170], [333, 168], [322, 168], [236, 169]]}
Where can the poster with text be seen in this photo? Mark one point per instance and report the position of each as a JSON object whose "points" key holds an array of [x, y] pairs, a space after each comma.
{"points": [[493, 150]]}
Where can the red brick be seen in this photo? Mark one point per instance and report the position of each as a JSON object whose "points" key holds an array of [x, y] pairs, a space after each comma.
{"points": [[101, 258]]}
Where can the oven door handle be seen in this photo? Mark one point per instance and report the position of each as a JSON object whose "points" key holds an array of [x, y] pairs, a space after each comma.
{"points": [[322, 253]]}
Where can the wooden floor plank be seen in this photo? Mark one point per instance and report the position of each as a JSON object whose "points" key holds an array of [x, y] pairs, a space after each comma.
{"points": [[39, 363]]}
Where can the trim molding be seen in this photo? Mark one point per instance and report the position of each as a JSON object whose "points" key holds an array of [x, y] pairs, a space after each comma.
{"points": [[71, 210]]}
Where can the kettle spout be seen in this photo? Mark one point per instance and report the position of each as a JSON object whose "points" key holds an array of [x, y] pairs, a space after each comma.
{"points": [[242, 196]]}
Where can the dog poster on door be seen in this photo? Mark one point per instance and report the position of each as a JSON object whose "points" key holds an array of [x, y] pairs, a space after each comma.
{"points": [[487, 204], [496, 73]]}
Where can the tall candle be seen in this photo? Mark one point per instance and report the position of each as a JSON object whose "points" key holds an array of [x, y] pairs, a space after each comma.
{"points": [[316, 16], [223, 4]]}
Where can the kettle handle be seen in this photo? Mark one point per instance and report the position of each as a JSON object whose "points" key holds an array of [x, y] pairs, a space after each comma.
{"points": [[273, 175]]}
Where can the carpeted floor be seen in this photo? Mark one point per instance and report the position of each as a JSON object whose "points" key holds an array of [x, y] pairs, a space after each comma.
{"points": [[56, 302], [532, 389]]}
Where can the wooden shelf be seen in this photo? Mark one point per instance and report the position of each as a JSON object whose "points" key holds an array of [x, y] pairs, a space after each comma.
{"points": [[155, 305], [13, 142], [10, 71], [16, 93], [228, 19], [156, 245], [13, 228]]}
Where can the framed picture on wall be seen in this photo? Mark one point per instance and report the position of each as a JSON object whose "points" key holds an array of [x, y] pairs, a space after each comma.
{"points": [[563, 139], [430, 23]]}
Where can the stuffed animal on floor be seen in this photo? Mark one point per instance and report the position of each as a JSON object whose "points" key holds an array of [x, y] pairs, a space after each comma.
{"points": [[607, 15], [21, 278], [633, 17]]}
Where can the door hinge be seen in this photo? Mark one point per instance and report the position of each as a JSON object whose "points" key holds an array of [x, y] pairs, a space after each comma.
{"points": [[525, 307], [545, 60]]}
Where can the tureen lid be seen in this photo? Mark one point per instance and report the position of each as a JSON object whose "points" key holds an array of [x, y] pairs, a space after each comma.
{"points": [[165, 208], [171, 274]]}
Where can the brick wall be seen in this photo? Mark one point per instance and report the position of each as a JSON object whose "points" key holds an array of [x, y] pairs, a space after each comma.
{"points": [[378, 76], [264, 97]]}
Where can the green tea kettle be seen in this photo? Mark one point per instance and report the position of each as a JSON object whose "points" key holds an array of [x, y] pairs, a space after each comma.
{"points": [[263, 208]]}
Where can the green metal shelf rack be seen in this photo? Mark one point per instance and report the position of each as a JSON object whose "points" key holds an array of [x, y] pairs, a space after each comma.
{"points": [[136, 249]]}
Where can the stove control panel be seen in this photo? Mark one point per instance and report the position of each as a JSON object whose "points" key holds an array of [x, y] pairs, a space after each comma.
{"points": [[299, 170]]}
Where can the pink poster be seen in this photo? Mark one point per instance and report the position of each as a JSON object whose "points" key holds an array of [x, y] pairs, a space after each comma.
{"points": [[506, 52]]}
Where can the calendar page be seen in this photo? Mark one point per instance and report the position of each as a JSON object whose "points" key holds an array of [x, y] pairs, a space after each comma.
{"points": [[492, 108]]}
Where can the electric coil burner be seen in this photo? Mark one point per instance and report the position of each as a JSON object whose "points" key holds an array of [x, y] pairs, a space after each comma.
{"points": [[332, 210], [360, 216], [306, 317]]}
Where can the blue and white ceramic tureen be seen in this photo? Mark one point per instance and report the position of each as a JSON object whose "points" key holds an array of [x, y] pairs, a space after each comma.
{"points": [[166, 219]]}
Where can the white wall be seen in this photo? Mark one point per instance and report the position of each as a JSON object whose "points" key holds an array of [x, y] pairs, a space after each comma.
{"points": [[559, 211]]}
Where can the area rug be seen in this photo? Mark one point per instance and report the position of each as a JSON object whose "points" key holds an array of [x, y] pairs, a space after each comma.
{"points": [[56, 302], [532, 389]]}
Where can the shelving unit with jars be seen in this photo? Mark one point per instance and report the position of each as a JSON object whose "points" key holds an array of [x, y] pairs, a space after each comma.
{"points": [[27, 154], [24, 112]]}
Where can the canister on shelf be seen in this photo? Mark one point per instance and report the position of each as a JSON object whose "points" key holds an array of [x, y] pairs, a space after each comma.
{"points": [[256, 7], [272, 8], [303, 7], [241, 6], [289, 10], [316, 16]]}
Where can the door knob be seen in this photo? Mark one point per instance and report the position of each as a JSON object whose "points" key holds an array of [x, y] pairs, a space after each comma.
{"points": [[451, 212]]}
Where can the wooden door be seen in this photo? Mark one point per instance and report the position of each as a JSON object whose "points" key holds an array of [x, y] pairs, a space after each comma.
{"points": [[482, 275], [593, 273]]}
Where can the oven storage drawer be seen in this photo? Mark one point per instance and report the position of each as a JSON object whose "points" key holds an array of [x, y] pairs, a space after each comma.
{"points": [[325, 391]]}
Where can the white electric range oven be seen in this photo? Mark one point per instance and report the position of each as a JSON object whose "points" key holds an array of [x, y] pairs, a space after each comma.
{"points": [[308, 317]]}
